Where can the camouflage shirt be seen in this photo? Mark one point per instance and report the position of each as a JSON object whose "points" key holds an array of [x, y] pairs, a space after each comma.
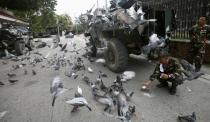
{"points": [[199, 35], [172, 69]]}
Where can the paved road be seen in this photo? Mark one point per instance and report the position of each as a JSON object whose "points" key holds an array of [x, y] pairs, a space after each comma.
{"points": [[29, 100]]}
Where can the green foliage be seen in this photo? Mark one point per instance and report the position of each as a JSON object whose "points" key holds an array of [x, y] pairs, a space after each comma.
{"points": [[39, 13], [65, 21], [28, 5]]}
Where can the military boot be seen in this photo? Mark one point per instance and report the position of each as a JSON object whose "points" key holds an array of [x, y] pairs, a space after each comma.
{"points": [[172, 90]]}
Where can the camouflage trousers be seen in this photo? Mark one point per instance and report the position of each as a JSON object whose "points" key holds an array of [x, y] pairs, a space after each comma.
{"points": [[195, 57]]}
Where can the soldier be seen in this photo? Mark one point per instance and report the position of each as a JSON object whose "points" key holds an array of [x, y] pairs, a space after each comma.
{"points": [[199, 34], [167, 70]]}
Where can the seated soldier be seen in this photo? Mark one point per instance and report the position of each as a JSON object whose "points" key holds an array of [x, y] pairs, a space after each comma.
{"points": [[167, 70]]}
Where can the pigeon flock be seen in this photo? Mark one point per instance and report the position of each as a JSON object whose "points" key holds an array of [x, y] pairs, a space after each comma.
{"points": [[114, 97]]}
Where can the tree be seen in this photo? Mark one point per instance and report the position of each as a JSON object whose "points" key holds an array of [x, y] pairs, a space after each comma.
{"points": [[27, 5], [65, 21], [39, 13]]}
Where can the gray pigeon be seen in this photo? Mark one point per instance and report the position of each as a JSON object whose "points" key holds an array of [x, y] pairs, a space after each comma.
{"points": [[78, 102], [33, 72], [107, 101], [55, 89], [12, 81], [1, 83], [64, 47], [11, 75], [188, 118], [189, 70]]}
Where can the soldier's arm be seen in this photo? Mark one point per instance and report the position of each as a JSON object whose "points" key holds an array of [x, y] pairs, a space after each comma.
{"points": [[177, 73], [155, 74]]}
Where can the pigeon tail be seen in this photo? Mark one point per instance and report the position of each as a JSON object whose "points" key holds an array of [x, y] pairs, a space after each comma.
{"points": [[88, 108], [53, 101]]}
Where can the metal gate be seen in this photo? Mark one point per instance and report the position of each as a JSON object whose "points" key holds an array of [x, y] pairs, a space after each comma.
{"points": [[187, 13]]}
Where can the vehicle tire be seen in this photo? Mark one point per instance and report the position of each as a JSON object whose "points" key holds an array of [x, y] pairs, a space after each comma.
{"points": [[19, 47], [116, 56]]}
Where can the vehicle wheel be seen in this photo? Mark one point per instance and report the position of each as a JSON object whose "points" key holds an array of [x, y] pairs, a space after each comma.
{"points": [[19, 48], [116, 56]]}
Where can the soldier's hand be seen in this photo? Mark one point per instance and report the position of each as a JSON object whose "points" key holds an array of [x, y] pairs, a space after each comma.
{"points": [[164, 76]]}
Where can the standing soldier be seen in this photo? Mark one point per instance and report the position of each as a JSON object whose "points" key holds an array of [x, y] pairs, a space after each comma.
{"points": [[167, 70], [199, 34]]}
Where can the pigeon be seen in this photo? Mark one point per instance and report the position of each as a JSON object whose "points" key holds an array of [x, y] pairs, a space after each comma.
{"points": [[12, 81], [86, 80], [1, 83], [15, 67], [33, 72], [56, 88], [100, 60], [71, 74], [4, 62], [78, 102], [102, 74], [90, 70], [64, 47], [124, 110], [189, 70], [103, 100], [127, 75], [79, 92], [101, 84], [2, 114], [188, 118], [25, 72], [75, 76], [154, 43], [129, 95], [11, 75], [60, 45], [91, 59]]}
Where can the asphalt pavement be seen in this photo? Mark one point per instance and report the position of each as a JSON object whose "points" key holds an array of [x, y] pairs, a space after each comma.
{"points": [[29, 99]]}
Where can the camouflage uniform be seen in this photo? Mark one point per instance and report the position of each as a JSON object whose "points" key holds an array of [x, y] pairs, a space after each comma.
{"points": [[198, 37], [173, 70]]}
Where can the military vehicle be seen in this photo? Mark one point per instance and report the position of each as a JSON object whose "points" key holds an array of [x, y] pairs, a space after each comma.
{"points": [[11, 40], [120, 31]]}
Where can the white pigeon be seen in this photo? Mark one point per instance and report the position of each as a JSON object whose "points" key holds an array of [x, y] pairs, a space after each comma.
{"points": [[90, 70], [2, 114], [128, 75], [79, 90], [101, 60]]}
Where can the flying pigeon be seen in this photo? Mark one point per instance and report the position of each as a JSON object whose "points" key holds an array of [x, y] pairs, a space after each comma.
{"points": [[56, 88]]}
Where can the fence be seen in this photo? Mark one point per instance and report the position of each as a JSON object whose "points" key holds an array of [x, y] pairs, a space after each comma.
{"points": [[187, 13]]}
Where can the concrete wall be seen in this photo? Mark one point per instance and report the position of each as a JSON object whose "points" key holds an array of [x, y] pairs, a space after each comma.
{"points": [[180, 48]]}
